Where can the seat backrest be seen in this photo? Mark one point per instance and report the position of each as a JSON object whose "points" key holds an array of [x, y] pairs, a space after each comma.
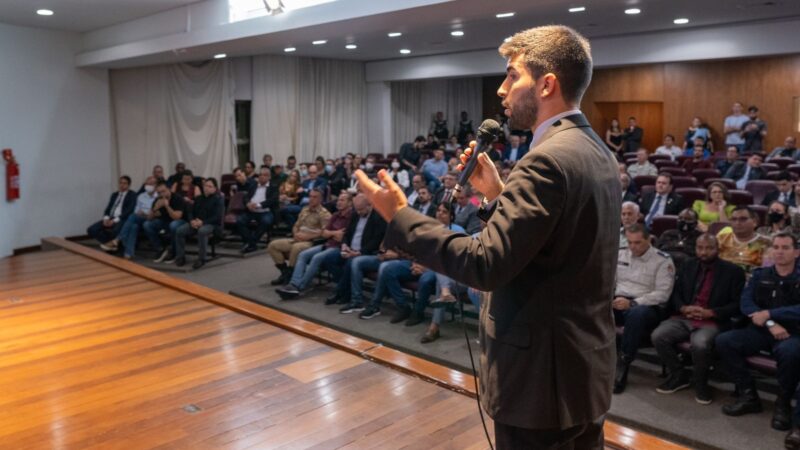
{"points": [[782, 163], [679, 171], [661, 163], [716, 227], [647, 189], [236, 205], [760, 189], [769, 167], [684, 181], [739, 197], [703, 174], [663, 223], [761, 210], [644, 180], [691, 194]]}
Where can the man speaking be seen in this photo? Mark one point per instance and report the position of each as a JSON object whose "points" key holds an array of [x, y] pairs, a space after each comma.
{"points": [[548, 253]]}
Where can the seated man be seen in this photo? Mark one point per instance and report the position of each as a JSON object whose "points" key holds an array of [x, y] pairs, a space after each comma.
{"points": [[205, 219], [158, 174], [644, 284], [120, 206], [743, 171], [424, 203], [433, 169], [261, 204], [731, 158], [739, 243], [630, 216], [698, 160], [772, 301], [628, 189], [309, 225], [313, 181], [243, 182], [669, 148], [789, 150], [310, 261], [445, 193], [642, 166], [167, 213], [176, 177], [785, 192], [417, 181], [704, 299], [679, 243], [515, 150], [661, 202], [466, 214], [130, 231]]}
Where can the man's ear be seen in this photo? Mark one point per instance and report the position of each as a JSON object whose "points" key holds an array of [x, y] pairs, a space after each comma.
{"points": [[548, 84]]}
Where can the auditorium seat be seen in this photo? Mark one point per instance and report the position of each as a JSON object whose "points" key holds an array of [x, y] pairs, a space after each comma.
{"points": [[647, 189], [644, 180], [763, 363], [630, 161], [776, 173], [654, 158], [769, 167], [716, 227], [690, 194], [682, 159], [629, 155], [675, 171], [728, 183], [703, 174], [782, 163], [392, 156], [684, 181], [794, 169], [761, 210], [739, 197], [661, 163], [760, 189], [663, 223], [236, 206], [719, 156]]}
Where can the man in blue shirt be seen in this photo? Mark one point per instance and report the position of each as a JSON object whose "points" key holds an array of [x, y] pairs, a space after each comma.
{"points": [[434, 169]]}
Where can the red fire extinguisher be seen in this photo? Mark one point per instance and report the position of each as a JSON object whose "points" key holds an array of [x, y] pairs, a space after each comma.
{"points": [[12, 175]]}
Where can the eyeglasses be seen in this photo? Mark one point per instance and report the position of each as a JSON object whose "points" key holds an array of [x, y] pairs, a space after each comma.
{"points": [[739, 219]]}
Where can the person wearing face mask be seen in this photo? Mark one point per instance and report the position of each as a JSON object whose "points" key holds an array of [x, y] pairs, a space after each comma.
{"points": [[130, 230], [680, 243], [704, 300], [399, 176], [777, 219]]}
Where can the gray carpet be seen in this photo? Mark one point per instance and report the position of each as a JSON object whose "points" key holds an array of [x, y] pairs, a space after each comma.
{"points": [[677, 417]]}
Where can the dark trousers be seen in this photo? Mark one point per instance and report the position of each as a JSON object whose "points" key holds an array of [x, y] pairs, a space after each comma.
{"points": [[587, 436], [734, 346], [103, 234], [639, 322], [674, 331], [263, 220]]}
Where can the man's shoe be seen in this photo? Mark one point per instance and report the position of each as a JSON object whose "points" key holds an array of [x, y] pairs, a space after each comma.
{"points": [[110, 246], [163, 257], [415, 319], [332, 299], [782, 415], [676, 381], [282, 277], [350, 308], [792, 441], [429, 336], [703, 394], [369, 313], [180, 262], [249, 249], [621, 377], [747, 403], [401, 315], [288, 292], [198, 264]]}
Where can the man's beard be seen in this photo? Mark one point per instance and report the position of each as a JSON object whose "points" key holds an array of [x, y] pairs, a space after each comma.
{"points": [[525, 114]]}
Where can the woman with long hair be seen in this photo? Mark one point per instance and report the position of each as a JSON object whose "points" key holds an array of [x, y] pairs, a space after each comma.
{"points": [[715, 208]]}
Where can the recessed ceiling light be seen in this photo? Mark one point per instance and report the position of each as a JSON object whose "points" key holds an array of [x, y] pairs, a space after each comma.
{"points": [[220, 56], [351, 46], [289, 49], [44, 12], [504, 15], [680, 21], [405, 51], [320, 42], [395, 34], [633, 11], [578, 9], [457, 33]]}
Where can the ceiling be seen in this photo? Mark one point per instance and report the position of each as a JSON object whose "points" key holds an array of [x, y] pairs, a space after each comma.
{"points": [[81, 15]]}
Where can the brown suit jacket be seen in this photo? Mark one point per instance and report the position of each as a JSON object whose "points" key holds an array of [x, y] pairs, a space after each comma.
{"points": [[548, 255]]}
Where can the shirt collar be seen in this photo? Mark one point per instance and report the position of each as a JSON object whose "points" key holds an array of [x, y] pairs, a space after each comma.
{"points": [[542, 128]]}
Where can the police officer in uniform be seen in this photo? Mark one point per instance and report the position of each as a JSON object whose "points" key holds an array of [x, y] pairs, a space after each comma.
{"points": [[772, 301], [644, 283]]}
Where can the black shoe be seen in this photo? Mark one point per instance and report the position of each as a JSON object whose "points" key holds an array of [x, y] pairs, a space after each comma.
{"points": [[351, 308], [621, 377], [401, 315], [249, 249], [747, 403], [180, 262], [288, 292], [677, 380], [198, 264], [792, 441], [703, 394], [165, 256], [782, 415], [332, 300], [369, 313], [282, 277], [429, 336], [415, 319]]}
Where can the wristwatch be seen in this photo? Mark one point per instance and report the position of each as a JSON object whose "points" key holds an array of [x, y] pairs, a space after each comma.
{"points": [[770, 323]]}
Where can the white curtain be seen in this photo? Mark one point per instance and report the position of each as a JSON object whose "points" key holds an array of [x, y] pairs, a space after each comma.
{"points": [[307, 108], [415, 103], [166, 114]]}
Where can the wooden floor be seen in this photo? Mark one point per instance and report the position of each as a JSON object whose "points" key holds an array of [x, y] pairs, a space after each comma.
{"points": [[97, 353]]}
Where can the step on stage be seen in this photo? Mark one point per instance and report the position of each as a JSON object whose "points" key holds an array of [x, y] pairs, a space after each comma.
{"points": [[98, 352]]}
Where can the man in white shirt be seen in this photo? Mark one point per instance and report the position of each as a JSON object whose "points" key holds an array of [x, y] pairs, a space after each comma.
{"points": [[642, 165], [120, 206], [130, 230], [261, 207], [669, 148], [416, 182], [733, 127]]}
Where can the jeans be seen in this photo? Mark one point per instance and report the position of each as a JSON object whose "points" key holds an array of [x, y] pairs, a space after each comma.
{"points": [[350, 285], [639, 322], [185, 231], [426, 287], [391, 275], [264, 221], [152, 228], [129, 233], [309, 263], [456, 288], [433, 182], [102, 234], [289, 213], [676, 330]]}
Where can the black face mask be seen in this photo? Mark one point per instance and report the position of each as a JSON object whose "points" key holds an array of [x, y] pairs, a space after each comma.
{"points": [[775, 217], [685, 227]]}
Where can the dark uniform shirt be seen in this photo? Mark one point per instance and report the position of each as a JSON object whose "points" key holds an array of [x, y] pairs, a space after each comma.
{"points": [[767, 290]]}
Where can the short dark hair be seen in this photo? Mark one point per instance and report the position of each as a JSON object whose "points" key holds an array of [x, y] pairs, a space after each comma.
{"points": [[187, 172], [251, 163], [212, 180], [237, 169], [126, 178], [783, 175], [666, 175], [554, 49], [638, 228], [161, 183], [631, 118], [785, 234], [291, 158], [420, 138], [670, 136], [753, 108], [749, 210]]}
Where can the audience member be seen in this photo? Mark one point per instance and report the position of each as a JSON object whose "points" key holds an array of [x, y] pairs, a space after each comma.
{"points": [[614, 138], [204, 220], [714, 208], [632, 135], [119, 207], [669, 148], [158, 174], [753, 132], [278, 175], [398, 175], [130, 230], [424, 203], [291, 163], [644, 284], [514, 150], [743, 171], [628, 194], [176, 177], [250, 169], [243, 183], [445, 193], [312, 220], [186, 187], [704, 300], [697, 130], [697, 161], [289, 191], [466, 214], [465, 128], [434, 169], [266, 160], [789, 150], [439, 127], [290, 211], [661, 202], [785, 192], [262, 205], [630, 216], [731, 157], [339, 179], [680, 243], [739, 243], [642, 166], [771, 300], [417, 181], [410, 154], [167, 214], [733, 127], [778, 219]]}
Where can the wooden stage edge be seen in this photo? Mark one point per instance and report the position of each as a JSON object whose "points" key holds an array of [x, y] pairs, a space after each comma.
{"points": [[617, 436]]}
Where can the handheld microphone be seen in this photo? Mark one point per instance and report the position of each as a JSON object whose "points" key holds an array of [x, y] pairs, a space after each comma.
{"points": [[487, 134]]}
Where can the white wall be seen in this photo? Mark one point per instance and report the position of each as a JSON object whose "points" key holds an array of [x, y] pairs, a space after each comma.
{"points": [[55, 118]]}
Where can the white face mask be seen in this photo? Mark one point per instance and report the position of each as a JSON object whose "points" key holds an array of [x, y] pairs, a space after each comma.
{"points": [[395, 165], [149, 188], [369, 166]]}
